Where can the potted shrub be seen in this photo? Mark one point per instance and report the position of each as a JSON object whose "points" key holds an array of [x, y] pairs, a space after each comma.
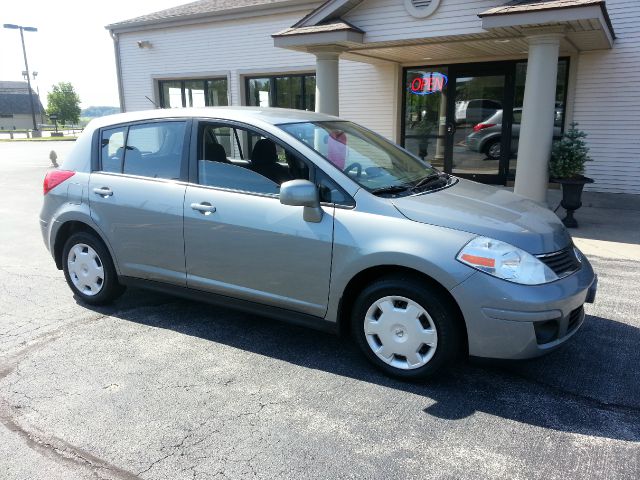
{"points": [[566, 167]]}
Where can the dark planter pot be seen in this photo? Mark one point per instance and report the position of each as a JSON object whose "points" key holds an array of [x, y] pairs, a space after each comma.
{"points": [[572, 197]]}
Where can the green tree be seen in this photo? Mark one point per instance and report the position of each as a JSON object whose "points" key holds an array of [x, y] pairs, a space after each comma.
{"points": [[65, 102]]}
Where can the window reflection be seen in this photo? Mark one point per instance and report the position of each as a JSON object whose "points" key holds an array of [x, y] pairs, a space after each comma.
{"points": [[291, 91], [193, 93]]}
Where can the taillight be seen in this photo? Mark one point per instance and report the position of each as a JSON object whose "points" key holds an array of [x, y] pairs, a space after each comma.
{"points": [[55, 178], [482, 126]]}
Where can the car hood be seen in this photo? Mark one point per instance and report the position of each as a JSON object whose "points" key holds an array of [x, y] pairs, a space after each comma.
{"points": [[491, 212]]}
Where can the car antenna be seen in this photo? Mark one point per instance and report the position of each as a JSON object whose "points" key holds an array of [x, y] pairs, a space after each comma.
{"points": [[154, 103]]}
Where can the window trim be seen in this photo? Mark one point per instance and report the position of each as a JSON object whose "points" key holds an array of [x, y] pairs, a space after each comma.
{"points": [[313, 168], [96, 166]]}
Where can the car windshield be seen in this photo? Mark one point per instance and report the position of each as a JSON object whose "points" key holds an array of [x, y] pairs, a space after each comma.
{"points": [[373, 162]]}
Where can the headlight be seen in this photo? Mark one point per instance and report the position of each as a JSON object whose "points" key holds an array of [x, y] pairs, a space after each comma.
{"points": [[578, 254], [505, 261]]}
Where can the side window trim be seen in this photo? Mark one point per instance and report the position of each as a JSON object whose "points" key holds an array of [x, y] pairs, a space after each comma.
{"points": [[184, 161], [125, 128], [232, 124]]}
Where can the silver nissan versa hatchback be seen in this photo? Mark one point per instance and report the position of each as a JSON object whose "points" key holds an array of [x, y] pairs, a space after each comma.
{"points": [[315, 220]]}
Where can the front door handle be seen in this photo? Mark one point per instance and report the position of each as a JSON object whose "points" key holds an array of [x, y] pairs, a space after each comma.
{"points": [[204, 207], [103, 191]]}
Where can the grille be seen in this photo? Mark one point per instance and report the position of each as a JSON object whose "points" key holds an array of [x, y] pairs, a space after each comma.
{"points": [[421, 3], [574, 318], [562, 263]]}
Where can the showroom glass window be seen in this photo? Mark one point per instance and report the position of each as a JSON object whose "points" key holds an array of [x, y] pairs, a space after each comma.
{"points": [[193, 93], [284, 91]]}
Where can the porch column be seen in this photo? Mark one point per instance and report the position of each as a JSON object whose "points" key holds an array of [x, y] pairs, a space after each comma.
{"points": [[327, 76], [538, 110]]}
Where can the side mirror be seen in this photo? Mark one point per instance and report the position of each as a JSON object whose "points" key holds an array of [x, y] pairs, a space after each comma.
{"points": [[302, 193]]}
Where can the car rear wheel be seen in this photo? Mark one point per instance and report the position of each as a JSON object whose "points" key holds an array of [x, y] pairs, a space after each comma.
{"points": [[404, 328], [493, 150], [89, 270]]}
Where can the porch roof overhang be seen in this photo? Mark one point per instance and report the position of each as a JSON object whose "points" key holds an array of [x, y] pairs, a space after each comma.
{"points": [[336, 33], [585, 25]]}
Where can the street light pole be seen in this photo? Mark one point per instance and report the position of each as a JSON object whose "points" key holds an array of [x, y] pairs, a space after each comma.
{"points": [[26, 66]]}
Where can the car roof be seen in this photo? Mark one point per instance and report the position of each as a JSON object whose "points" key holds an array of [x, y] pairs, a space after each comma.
{"points": [[252, 115]]}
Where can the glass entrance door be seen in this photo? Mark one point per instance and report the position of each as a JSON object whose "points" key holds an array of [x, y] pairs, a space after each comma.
{"points": [[476, 125], [425, 114]]}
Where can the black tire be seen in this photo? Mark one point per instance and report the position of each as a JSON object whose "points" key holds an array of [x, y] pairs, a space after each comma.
{"points": [[110, 287], [444, 317], [490, 149]]}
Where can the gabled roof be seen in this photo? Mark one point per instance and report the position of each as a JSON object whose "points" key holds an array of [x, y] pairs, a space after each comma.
{"points": [[334, 26], [14, 98], [200, 8], [329, 10]]}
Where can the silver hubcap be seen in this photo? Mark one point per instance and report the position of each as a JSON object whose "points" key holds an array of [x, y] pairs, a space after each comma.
{"points": [[400, 332], [494, 150], [85, 269]]}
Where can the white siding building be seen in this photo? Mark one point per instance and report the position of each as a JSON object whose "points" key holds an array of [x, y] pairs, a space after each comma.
{"points": [[477, 87]]}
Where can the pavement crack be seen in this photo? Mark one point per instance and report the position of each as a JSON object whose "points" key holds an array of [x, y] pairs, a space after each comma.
{"points": [[61, 450]]}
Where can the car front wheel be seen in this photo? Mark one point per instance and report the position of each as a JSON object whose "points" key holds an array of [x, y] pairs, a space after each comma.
{"points": [[405, 328], [89, 270]]}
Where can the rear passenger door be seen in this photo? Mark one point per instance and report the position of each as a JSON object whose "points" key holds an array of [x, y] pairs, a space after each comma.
{"points": [[136, 195]]}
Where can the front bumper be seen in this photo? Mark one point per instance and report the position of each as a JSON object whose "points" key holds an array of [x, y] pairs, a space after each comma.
{"points": [[511, 321]]}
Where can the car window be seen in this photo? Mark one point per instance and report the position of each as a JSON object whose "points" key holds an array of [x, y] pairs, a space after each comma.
{"points": [[330, 192], [155, 150], [243, 159], [368, 159], [112, 149]]}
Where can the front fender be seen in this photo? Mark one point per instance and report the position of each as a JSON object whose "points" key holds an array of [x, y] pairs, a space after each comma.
{"points": [[428, 249]]}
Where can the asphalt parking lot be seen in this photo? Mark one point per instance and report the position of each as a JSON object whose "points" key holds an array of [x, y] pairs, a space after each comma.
{"points": [[155, 387]]}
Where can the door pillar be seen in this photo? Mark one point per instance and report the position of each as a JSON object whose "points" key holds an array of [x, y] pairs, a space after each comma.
{"points": [[327, 79], [538, 111]]}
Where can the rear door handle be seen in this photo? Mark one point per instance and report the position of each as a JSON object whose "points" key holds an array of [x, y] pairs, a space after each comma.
{"points": [[103, 191], [204, 207]]}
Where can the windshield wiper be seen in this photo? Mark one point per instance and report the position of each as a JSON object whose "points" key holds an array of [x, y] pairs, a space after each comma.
{"points": [[390, 189], [431, 179]]}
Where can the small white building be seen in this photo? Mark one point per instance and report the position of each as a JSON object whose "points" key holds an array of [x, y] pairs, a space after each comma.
{"points": [[479, 88], [15, 107]]}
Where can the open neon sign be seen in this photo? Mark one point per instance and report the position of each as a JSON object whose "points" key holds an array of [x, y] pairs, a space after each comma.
{"points": [[428, 83]]}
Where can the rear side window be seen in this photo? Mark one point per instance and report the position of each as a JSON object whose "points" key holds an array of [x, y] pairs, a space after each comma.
{"points": [[155, 150], [112, 149], [148, 150]]}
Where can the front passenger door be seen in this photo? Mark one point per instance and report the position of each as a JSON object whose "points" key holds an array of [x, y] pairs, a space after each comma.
{"points": [[240, 241]]}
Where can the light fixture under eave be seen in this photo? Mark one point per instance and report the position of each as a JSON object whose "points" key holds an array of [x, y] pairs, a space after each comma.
{"points": [[144, 44], [504, 40]]}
